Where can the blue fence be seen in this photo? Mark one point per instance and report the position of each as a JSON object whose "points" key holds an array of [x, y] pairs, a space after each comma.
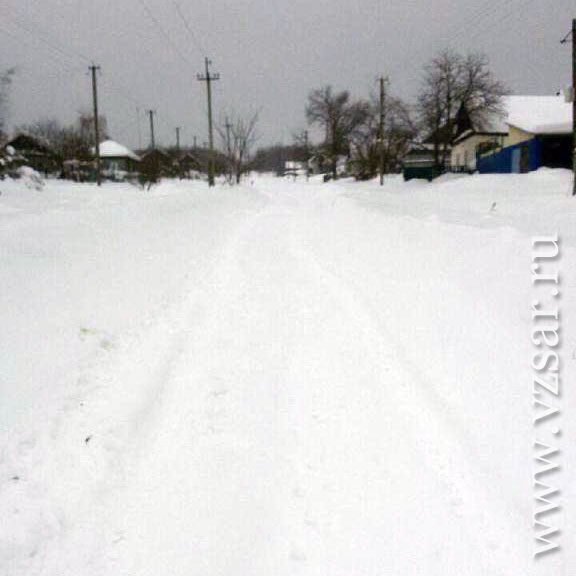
{"points": [[523, 157]]}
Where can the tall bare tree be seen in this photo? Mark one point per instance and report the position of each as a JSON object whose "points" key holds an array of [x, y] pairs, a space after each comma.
{"points": [[238, 136], [339, 117], [453, 82]]}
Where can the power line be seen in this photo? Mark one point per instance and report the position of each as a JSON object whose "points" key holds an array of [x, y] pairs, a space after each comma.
{"points": [[163, 32], [506, 16], [54, 46], [186, 23], [65, 56]]}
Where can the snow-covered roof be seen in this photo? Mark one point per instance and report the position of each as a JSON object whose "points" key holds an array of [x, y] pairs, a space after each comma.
{"points": [[112, 149], [533, 114], [540, 114]]}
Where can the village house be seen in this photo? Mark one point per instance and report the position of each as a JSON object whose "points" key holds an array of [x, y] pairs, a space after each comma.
{"points": [[188, 166], [116, 160], [32, 152], [159, 161], [531, 132]]}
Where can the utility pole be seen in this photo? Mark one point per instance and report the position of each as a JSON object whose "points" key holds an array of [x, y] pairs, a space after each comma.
{"points": [[383, 82], [572, 34], [306, 154], [209, 78], [574, 104], [152, 142], [228, 126], [139, 128], [94, 69], [195, 142], [178, 138]]}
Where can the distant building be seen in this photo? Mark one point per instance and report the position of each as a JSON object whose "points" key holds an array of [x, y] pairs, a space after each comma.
{"points": [[116, 160], [295, 168], [420, 162], [34, 153], [430, 157], [159, 161], [189, 166]]}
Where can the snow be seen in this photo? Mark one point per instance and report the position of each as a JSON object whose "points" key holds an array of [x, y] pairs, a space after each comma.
{"points": [[280, 378], [112, 149], [534, 114]]}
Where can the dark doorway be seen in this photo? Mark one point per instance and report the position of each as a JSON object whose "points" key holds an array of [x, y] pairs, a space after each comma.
{"points": [[556, 151]]}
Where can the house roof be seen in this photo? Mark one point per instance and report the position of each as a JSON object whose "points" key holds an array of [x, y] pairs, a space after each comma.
{"points": [[533, 114], [112, 149], [25, 142], [540, 114]]}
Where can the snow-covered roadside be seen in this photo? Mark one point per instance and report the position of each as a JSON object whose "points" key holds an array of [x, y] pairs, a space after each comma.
{"points": [[291, 379], [84, 270]]}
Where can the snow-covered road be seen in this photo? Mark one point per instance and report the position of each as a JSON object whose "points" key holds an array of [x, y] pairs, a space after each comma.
{"points": [[302, 383]]}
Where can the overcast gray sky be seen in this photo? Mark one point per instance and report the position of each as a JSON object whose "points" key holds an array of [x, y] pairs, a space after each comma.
{"points": [[269, 54]]}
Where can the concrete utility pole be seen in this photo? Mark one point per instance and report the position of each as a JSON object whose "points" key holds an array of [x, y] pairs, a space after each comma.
{"points": [[178, 138], [383, 82], [209, 78], [95, 69], [152, 142]]}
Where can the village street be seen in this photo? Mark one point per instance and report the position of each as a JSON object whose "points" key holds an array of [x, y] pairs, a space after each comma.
{"points": [[287, 378]]}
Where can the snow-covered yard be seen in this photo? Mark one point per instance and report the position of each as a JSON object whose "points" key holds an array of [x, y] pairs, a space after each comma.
{"points": [[280, 379]]}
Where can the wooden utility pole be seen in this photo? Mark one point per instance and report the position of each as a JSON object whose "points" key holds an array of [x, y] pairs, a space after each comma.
{"points": [[574, 104], [228, 126], [209, 78], [228, 141], [572, 34], [94, 69], [383, 82], [178, 138], [306, 154], [152, 141], [139, 127]]}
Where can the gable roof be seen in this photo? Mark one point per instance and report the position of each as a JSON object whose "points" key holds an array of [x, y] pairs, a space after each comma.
{"points": [[540, 114], [112, 149], [533, 114]]}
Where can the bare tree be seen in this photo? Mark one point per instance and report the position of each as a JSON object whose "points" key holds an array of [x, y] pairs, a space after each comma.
{"points": [[339, 117], [68, 142], [5, 82], [399, 131], [453, 82], [238, 136]]}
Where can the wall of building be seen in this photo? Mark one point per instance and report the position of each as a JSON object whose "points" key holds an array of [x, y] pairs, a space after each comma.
{"points": [[464, 153], [517, 136]]}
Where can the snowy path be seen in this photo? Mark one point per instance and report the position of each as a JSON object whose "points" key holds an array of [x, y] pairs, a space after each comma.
{"points": [[304, 403]]}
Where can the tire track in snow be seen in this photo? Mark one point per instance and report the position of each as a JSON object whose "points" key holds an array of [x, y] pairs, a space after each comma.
{"points": [[106, 427], [431, 428]]}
